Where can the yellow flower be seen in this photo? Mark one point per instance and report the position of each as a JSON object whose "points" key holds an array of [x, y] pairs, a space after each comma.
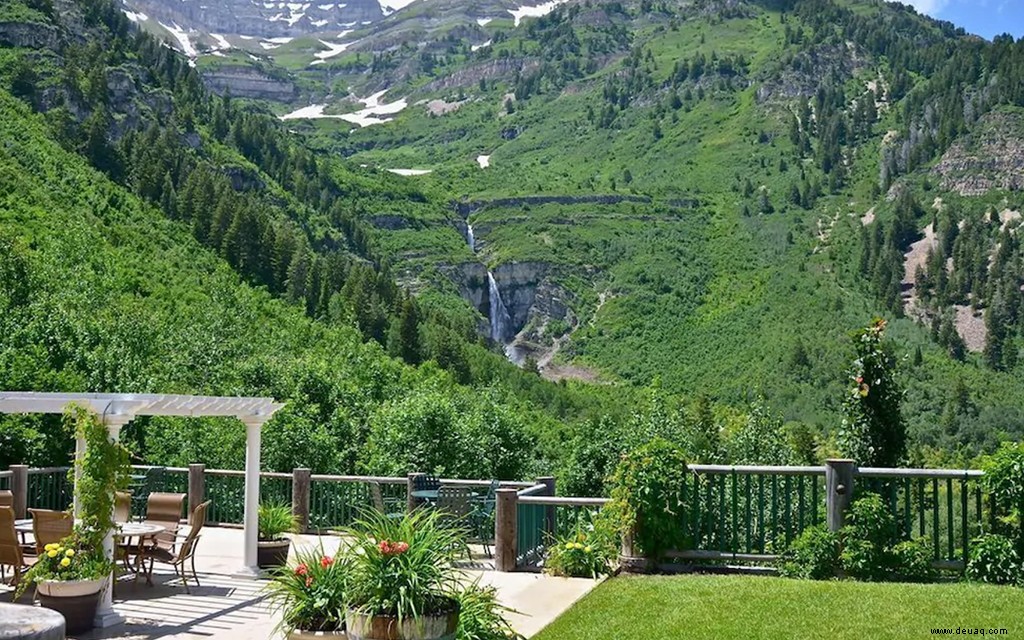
{"points": [[65, 562], [587, 549], [52, 553], [569, 546], [50, 547], [579, 546], [69, 552]]}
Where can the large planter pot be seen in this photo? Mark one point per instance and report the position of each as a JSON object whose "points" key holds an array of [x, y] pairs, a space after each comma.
{"points": [[299, 634], [441, 626], [76, 600], [272, 553]]}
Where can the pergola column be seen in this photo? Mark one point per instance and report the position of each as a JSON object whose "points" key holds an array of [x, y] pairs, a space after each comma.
{"points": [[253, 428], [106, 616]]}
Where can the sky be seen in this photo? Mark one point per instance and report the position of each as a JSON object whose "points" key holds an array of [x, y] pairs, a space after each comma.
{"points": [[987, 18]]}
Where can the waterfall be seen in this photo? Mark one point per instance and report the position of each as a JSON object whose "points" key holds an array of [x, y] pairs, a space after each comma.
{"points": [[500, 319], [470, 238]]}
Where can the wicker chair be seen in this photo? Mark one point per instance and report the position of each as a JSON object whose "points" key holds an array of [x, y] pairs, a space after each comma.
{"points": [[181, 551], [49, 527], [454, 504], [122, 506], [6, 499], [165, 509], [10, 547]]}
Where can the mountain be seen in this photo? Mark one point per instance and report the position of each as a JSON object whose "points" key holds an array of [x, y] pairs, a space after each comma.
{"points": [[670, 208]]}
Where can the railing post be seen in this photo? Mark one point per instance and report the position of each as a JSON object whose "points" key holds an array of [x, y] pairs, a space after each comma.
{"points": [[505, 513], [196, 487], [19, 487], [301, 481], [410, 501], [550, 524], [839, 491]]}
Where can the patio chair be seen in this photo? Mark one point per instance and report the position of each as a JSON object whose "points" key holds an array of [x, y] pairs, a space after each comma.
{"points": [[165, 509], [425, 483], [49, 527], [6, 499], [10, 547], [122, 506], [387, 507], [454, 504], [182, 550], [481, 519]]}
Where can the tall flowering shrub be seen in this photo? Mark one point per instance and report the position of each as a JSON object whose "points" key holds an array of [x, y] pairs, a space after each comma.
{"points": [[873, 432]]}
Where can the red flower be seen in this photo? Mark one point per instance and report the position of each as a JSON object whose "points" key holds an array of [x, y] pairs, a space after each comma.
{"points": [[389, 548], [309, 580], [301, 570], [326, 561], [401, 547]]}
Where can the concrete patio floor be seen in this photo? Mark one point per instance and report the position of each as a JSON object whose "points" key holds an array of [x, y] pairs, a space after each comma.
{"points": [[228, 607]]}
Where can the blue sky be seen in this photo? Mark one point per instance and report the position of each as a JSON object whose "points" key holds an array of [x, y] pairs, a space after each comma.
{"points": [[986, 18]]}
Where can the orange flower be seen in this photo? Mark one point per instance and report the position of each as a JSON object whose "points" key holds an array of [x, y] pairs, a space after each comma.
{"points": [[301, 570], [326, 561]]}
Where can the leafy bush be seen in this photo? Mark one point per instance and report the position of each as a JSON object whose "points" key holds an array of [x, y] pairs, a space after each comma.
{"points": [[480, 616], [813, 555], [868, 537], [586, 552], [994, 559], [647, 497], [1004, 482], [913, 561], [275, 520], [309, 593]]}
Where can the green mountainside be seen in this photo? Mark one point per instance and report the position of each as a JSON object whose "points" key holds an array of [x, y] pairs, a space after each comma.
{"points": [[684, 207]]}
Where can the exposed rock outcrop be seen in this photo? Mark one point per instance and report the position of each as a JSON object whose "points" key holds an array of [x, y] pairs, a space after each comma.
{"points": [[249, 82], [28, 35], [991, 157]]}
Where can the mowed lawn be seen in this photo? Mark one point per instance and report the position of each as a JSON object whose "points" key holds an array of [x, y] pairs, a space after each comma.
{"points": [[693, 606]]}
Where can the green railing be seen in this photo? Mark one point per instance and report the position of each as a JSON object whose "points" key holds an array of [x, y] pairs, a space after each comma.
{"points": [[541, 519], [945, 507], [49, 488]]}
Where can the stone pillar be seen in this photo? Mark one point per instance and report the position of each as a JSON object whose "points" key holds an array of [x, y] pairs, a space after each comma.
{"points": [[301, 482], [19, 487], [196, 487], [839, 491], [505, 513]]}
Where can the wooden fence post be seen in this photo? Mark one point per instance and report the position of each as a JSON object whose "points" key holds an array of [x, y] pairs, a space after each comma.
{"points": [[410, 501], [550, 523], [196, 487], [839, 491], [19, 487], [301, 484], [506, 508]]}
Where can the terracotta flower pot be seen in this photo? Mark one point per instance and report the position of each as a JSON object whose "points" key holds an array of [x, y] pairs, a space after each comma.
{"points": [[441, 626], [272, 553], [76, 600]]}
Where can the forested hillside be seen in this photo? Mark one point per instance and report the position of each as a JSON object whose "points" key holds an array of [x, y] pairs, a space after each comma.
{"points": [[680, 210]]}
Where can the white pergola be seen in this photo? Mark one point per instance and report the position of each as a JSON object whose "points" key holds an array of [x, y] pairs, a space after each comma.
{"points": [[118, 409]]}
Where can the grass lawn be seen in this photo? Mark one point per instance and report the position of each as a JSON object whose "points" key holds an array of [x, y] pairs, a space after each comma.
{"points": [[662, 607]]}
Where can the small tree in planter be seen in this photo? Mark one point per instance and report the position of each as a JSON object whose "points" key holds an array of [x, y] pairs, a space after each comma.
{"points": [[648, 490], [71, 575], [275, 521]]}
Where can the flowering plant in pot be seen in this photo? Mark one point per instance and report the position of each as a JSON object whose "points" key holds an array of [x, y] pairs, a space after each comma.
{"points": [[70, 575], [275, 520], [309, 594], [403, 584]]}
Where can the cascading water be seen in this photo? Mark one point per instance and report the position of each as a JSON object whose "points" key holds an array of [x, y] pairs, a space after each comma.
{"points": [[500, 319], [470, 238]]}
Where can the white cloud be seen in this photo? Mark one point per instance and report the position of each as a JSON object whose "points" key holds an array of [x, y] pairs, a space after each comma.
{"points": [[931, 7]]}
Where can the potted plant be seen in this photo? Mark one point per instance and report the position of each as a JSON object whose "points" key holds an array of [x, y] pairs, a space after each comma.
{"points": [[310, 596], [275, 521], [71, 574], [402, 582]]}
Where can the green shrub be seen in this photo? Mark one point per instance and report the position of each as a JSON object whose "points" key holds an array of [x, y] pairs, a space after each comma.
{"points": [[647, 497], [994, 559], [481, 616], [813, 555], [868, 537], [587, 552], [913, 561], [1004, 482], [275, 520]]}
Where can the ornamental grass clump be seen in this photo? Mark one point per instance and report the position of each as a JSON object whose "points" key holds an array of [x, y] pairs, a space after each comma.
{"points": [[404, 568]]}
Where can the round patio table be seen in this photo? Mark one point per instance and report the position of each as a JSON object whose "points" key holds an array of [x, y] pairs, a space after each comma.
{"points": [[142, 531]]}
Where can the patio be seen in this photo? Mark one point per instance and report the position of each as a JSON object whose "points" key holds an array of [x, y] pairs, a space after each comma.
{"points": [[228, 606]]}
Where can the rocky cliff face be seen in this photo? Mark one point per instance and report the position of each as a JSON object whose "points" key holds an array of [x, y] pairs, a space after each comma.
{"points": [[247, 82], [990, 158], [259, 17]]}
